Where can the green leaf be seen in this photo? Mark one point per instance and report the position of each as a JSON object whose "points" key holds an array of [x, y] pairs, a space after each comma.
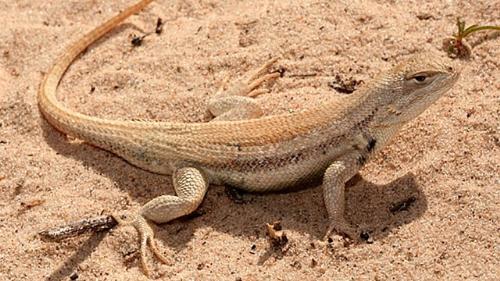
{"points": [[474, 28], [461, 26]]}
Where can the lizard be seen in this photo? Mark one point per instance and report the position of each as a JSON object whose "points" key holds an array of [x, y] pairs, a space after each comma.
{"points": [[241, 147]]}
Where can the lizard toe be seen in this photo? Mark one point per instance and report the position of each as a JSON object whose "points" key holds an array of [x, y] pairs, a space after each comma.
{"points": [[157, 253], [146, 236], [341, 227]]}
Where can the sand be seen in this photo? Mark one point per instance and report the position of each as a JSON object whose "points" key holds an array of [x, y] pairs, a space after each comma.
{"points": [[444, 164]]}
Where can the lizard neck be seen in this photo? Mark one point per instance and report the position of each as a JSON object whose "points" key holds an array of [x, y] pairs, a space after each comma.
{"points": [[373, 100], [362, 114]]}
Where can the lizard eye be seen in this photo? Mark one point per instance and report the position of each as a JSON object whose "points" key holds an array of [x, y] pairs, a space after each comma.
{"points": [[420, 78]]}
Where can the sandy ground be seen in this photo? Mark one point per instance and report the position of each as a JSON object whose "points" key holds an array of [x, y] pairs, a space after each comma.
{"points": [[447, 160]]}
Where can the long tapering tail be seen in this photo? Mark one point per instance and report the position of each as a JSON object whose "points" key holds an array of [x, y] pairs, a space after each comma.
{"points": [[64, 119]]}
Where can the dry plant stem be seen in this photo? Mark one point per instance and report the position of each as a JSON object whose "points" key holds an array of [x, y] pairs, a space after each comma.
{"points": [[76, 228]]}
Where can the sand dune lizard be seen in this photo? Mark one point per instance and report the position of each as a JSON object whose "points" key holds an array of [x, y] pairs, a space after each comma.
{"points": [[242, 148]]}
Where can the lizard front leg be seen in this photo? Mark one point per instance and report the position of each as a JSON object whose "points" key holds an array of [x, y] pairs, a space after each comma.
{"points": [[334, 180], [190, 186], [236, 102]]}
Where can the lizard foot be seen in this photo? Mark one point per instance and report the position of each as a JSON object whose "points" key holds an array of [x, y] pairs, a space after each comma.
{"points": [[146, 236], [342, 227], [246, 86]]}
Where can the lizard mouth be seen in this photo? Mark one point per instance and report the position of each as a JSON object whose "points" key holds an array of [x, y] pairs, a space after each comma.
{"points": [[454, 71], [455, 76]]}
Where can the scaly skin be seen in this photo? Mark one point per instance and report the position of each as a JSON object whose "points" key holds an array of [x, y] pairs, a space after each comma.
{"points": [[243, 149]]}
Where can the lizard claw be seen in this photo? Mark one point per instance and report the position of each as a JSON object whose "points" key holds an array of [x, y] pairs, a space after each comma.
{"points": [[246, 86], [341, 227], [259, 76], [146, 236], [253, 75]]}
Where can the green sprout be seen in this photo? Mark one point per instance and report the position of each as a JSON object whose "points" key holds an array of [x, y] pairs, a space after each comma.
{"points": [[456, 46]]}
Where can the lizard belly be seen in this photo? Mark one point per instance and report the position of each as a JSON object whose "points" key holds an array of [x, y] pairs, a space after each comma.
{"points": [[278, 177]]}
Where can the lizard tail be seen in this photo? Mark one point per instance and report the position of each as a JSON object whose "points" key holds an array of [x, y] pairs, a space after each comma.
{"points": [[64, 119]]}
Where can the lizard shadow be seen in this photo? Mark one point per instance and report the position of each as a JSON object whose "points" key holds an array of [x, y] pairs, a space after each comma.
{"points": [[70, 265], [374, 208]]}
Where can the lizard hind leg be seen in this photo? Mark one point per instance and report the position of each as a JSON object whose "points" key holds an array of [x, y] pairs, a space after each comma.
{"points": [[190, 186], [236, 102]]}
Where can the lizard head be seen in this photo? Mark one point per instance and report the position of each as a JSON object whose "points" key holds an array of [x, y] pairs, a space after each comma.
{"points": [[414, 84]]}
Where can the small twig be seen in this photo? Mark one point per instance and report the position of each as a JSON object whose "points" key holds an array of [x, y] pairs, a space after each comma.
{"points": [[159, 26], [137, 40], [303, 75], [95, 224], [344, 86], [403, 205], [276, 234]]}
